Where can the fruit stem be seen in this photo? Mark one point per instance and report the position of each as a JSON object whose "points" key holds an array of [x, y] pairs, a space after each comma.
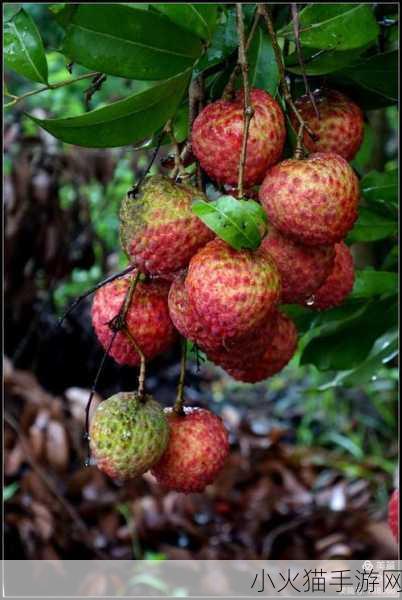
{"points": [[135, 189], [296, 30], [178, 165], [178, 406], [248, 110], [228, 91], [141, 376], [264, 11]]}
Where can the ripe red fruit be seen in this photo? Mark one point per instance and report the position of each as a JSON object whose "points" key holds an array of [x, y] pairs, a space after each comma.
{"points": [[232, 291], [217, 136], [303, 269], [279, 350], [158, 230], [339, 127], [197, 448], [147, 319], [338, 284], [393, 514], [312, 201]]}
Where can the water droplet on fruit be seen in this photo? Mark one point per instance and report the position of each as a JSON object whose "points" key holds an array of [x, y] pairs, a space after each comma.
{"points": [[374, 378], [87, 462], [310, 301]]}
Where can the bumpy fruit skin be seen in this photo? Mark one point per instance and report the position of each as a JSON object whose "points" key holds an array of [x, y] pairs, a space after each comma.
{"points": [[339, 127], [338, 284], [303, 269], [217, 136], [279, 350], [158, 231], [232, 291], [147, 319], [127, 435], [393, 514], [196, 452], [312, 201]]}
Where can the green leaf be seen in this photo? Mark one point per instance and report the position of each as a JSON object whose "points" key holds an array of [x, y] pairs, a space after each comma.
{"points": [[240, 223], [263, 70], [371, 226], [335, 26], [23, 48], [10, 490], [370, 283], [199, 18], [381, 188], [373, 80], [351, 343], [128, 42], [365, 152], [63, 12], [222, 45], [322, 62], [124, 122]]}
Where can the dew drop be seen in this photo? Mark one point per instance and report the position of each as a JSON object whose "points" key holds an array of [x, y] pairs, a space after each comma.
{"points": [[87, 462], [310, 301], [86, 436]]}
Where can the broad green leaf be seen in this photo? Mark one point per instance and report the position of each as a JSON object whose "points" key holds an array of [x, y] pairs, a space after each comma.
{"points": [[371, 226], [384, 350], [128, 42], [350, 345], [335, 26], [381, 188], [199, 18], [373, 80], [263, 70], [370, 283], [23, 48], [63, 12], [223, 44], [124, 122], [240, 223], [322, 62]]}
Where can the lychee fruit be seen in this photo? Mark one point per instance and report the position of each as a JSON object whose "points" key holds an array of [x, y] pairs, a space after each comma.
{"points": [[128, 435], [196, 452], [338, 284], [312, 201], [147, 319], [232, 291], [158, 230], [217, 136], [339, 126], [303, 269], [280, 348], [393, 514]]}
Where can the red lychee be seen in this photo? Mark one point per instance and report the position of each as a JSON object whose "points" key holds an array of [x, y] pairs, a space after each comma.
{"points": [[158, 230], [147, 319], [393, 514], [339, 127], [232, 291], [338, 284], [312, 201], [196, 451], [280, 348], [303, 269], [217, 136]]}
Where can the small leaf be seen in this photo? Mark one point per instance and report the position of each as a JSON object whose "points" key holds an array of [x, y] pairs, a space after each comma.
{"points": [[370, 283], [10, 490], [263, 69], [124, 122], [240, 223], [128, 42], [371, 226], [23, 48], [381, 188], [199, 18], [335, 26]]}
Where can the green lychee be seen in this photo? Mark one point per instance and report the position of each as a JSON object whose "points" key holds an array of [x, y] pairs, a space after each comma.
{"points": [[128, 435], [158, 231]]}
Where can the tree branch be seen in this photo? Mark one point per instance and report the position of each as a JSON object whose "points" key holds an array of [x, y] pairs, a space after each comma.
{"points": [[296, 29], [141, 377], [178, 406]]}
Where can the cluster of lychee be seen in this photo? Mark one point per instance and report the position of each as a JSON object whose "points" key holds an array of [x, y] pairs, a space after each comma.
{"points": [[226, 301]]}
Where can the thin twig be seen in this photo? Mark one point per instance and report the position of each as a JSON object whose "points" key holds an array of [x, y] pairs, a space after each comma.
{"points": [[248, 110], [296, 29], [78, 300], [230, 86], [178, 406], [178, 165], [134, 190], [96, 84], [50, 86], [141, 376], [266, 15], [116, 324]]}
